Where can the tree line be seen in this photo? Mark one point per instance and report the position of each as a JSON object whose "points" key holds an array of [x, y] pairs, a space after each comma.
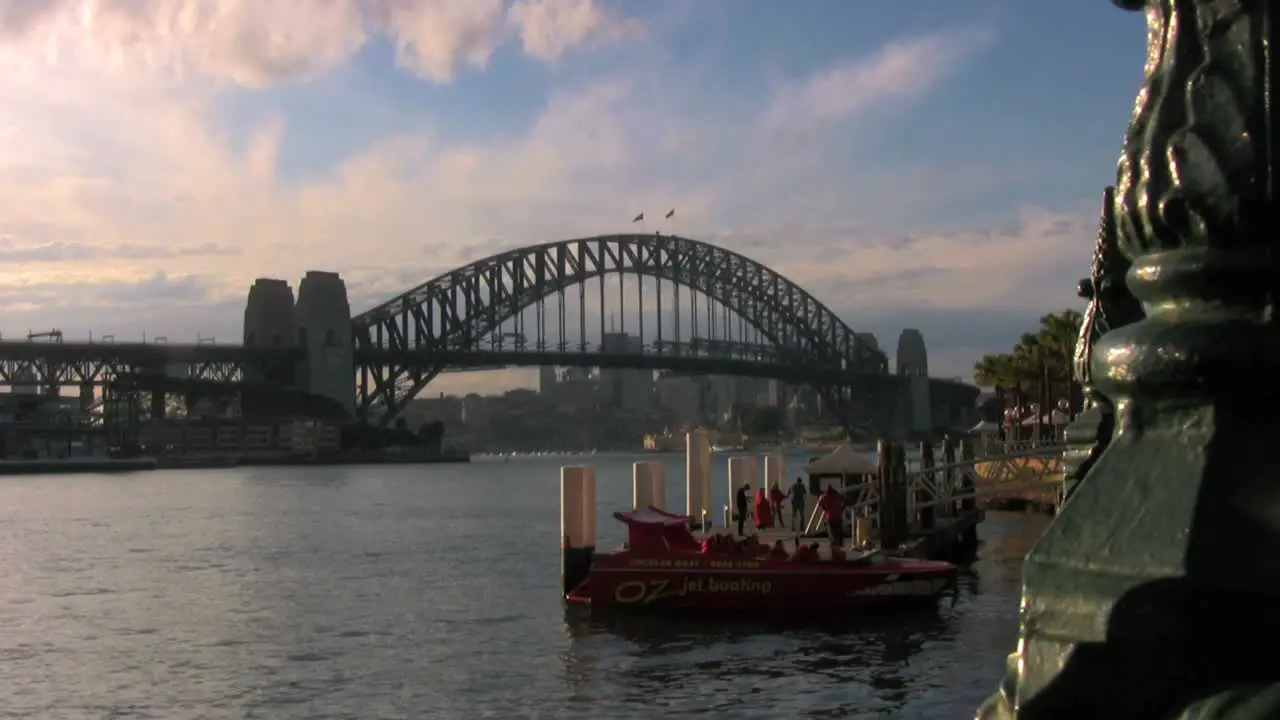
{"points": [[429, 437], [1037, 374]]}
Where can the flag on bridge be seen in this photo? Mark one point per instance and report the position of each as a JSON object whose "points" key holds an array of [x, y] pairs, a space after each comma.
{"points": [[671, 213], [638, 218]]}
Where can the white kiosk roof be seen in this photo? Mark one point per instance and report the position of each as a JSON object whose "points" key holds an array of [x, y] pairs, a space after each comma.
{"points": [[844, 460]]}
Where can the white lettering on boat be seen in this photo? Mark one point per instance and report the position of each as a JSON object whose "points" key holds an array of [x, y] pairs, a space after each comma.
{"points": [[645, 592], [732, 585], [693, 564]]}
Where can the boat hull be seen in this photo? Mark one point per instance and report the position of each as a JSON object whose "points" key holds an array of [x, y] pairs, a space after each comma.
{"points": [[760, 585]]}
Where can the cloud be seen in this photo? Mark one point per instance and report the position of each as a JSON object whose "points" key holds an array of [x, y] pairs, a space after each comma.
{"points": [[118, 187], [256, 44], [61, 252], [432, 38], [86, 306], [550, 28], [1035, 261], [899, 72]]}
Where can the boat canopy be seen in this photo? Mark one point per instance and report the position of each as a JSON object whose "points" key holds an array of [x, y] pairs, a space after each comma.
{"points": [[844, 460], [654, 532]]}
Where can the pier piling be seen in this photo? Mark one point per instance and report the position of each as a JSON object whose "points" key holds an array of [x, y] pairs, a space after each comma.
{"points": [[893, 494], [926, 492], [698, 476], [966, 489], [948, 479], [577, 523], [649, 485]]}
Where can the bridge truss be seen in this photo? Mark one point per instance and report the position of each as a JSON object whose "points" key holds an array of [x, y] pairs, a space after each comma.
{"points": [[45, 366], [696, 306]]}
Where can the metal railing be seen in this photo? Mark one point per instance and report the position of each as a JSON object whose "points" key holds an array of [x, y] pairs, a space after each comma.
{"points": [[950, 484]]}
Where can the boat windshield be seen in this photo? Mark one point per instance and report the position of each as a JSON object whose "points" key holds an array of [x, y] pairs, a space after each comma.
{"points": [[654, 532]]}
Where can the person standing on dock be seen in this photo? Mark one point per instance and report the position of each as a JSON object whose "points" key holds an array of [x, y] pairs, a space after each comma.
{"points": [[740, 506], [797, 504], [833, 512], [764, 512], [776, 496]]}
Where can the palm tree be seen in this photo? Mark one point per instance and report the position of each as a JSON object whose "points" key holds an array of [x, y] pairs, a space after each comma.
{"points": [[1039, 365], [999, 372], [995, 371], [1057, 338]]}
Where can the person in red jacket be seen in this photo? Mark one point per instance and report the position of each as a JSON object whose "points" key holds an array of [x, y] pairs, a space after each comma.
{"points": [[764, 513], [833, 512], [776, 496]]}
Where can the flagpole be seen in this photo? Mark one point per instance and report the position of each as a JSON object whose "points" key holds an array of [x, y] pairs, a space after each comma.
{"points": [[670, 217]]}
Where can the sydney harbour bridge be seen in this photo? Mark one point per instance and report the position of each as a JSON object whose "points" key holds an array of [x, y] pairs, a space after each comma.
{"points": [[615, 301]]}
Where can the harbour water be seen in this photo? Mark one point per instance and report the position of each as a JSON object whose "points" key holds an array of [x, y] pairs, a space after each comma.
{"points": [[424, 592]]}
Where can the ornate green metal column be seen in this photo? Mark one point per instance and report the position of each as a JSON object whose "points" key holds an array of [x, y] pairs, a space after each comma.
{"points": [[1156, 591], [1111, 305]]}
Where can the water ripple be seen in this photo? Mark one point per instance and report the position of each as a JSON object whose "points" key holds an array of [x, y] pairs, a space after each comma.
{"points": [[399, 592]]}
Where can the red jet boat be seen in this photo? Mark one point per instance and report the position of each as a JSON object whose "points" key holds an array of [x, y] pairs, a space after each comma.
{"points": [[664, 567]]}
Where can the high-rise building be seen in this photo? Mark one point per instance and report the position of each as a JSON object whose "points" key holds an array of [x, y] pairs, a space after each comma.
{"points": [[912, 357], [548, 376], [682, 396], [628, 390], [720, 395]]}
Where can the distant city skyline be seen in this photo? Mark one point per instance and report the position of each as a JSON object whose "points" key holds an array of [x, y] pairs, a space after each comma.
{"points": [[933, 165]]}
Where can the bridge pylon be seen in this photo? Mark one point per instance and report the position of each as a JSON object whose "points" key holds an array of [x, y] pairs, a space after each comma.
{"points": [[323, 317], [270, 320]]}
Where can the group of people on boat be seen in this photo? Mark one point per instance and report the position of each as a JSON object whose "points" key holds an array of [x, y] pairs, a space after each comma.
{"points": [[769, 506], [768, 509], [726, 545]]}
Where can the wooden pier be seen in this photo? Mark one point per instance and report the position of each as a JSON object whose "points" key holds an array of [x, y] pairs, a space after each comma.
{"points": [[954, 539], [931, 511]]}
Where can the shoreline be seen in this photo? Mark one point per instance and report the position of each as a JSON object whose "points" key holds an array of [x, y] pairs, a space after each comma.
{"points": [[54, 466], [68, 466]]}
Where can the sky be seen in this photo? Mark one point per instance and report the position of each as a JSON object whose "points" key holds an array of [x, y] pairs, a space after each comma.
{"points": [[933, 164]]}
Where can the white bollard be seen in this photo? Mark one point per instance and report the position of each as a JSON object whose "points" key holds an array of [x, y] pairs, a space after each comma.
{"points": [[577, 524], [775, 472], [590, 508], [660, 487], [742, 471], [648, 485], [641, 488], [697, 474], [692, 502], [704, 470], [861, 532], [573, 516]]}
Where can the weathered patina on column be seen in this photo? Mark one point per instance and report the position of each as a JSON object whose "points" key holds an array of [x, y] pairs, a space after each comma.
{"points": [[1111, 305], [1155, 593]]}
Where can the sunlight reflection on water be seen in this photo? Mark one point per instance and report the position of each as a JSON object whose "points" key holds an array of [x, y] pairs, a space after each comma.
{"points": [[412, 592]]}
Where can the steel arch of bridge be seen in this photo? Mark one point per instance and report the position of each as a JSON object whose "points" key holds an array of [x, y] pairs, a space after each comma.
{"points": [[395, 340]]}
